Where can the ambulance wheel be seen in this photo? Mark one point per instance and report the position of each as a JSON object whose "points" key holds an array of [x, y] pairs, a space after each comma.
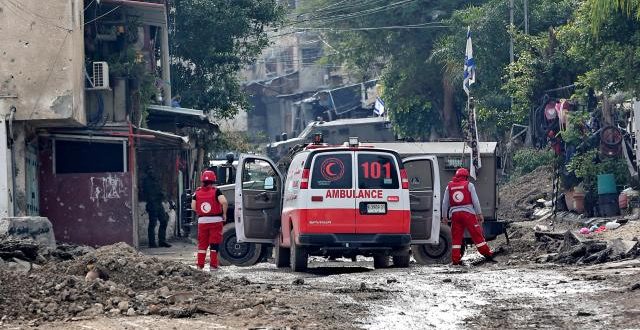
{"points": [[299, 256], [381, 261], [401, 261], [429, 254], [283, 255], [238, 254]]}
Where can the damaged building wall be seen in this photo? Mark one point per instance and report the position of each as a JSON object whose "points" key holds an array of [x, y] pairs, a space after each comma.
{"points": [[42, 59], [24, 160], [88, 202]]}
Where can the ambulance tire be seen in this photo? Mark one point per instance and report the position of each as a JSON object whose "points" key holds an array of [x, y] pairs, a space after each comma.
{"points": [[381, 261], [238, 254], [299, 256], [430, 254], [401, 261], [282, 255]]}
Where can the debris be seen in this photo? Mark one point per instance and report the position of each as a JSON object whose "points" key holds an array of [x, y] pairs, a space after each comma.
{"points": [[584, 313], [585, 231], [612, 225], [541, 228], [392, 280], [298, 281], [635, 286], [447, 280]]}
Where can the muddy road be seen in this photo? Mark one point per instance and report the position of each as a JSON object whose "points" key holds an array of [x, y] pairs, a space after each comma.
{"points": [[347, 295]]}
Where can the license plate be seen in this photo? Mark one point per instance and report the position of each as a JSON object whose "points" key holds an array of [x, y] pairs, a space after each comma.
{"points": [[376, 208]]}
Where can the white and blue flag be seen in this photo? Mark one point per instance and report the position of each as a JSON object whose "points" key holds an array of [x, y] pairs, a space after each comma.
{"points": [[469, 64], [378, 109]]}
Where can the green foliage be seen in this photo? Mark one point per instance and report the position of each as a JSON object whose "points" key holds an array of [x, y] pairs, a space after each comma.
{"points": [[528, 159], [603, 10], [588, 165], [211, 41], [576, 130]]}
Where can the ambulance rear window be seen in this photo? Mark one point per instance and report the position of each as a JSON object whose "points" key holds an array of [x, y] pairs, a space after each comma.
{"points": [[332, 171], [377, 171]]}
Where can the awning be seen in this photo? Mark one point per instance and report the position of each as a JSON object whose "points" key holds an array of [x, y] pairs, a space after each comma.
{"points": [[181, 117], [143, 138], [150, 13]]}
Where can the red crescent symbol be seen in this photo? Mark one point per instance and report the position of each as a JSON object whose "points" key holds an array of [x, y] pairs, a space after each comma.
{"points": [[327, 169]]}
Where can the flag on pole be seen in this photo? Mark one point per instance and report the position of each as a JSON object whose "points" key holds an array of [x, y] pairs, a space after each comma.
{"points": [[378, 109], [469, 64]]}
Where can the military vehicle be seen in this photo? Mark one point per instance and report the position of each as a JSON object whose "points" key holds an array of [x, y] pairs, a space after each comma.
{"points": [[374, 129]]}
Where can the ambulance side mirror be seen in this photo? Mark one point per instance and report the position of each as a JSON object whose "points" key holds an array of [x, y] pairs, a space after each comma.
{"points": [[269, 183]]}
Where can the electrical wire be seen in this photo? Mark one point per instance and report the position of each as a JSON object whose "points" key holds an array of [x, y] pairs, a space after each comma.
{"points": [[103, 15]]}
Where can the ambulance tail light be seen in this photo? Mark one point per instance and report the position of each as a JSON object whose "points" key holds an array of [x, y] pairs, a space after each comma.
{"points": [[404, 178], [304, 183]]}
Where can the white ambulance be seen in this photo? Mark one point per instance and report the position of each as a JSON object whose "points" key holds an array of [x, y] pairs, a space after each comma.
{"points": [[339, 201]]}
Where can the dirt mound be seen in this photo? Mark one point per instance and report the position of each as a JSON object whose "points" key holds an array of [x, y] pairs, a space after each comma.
{"points": [[129, 283], [519, 195]]}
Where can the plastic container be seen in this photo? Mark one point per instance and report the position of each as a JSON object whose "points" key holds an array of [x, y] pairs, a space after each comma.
{"points": [[608, 205], [607, 184]]}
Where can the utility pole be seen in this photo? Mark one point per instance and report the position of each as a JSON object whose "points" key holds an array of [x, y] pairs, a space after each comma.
{"points": [[511, 57], [526, 16]]}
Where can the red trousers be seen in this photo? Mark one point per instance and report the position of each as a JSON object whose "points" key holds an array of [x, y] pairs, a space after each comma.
{"points": [[209, 236], [459, 222]]}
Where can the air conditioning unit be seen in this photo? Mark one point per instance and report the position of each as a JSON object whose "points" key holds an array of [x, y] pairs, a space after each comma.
{"points": [[100, 75]]}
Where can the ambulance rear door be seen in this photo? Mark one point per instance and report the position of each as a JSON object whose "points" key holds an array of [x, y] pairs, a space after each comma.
{"points": [[258, 199], [424, 196]]}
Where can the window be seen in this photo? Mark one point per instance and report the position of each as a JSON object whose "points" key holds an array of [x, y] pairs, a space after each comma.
{"points": [[258, 175], [376, 171], [310, 55], [332, 171], [420, 173], [89, 157]]}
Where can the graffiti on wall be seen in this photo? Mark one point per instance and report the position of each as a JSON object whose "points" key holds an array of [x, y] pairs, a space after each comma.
{"points": [[106, 188]]}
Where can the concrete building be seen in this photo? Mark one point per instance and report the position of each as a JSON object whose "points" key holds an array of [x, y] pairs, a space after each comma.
{"points": [[77, 83]]}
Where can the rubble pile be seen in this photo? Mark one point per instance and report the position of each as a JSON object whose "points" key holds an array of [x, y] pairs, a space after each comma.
{"points": [[569, 248], [519, 196], [116, 280]]}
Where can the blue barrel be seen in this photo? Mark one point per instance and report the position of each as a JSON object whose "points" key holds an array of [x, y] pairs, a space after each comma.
{"points": [[606, 184]]}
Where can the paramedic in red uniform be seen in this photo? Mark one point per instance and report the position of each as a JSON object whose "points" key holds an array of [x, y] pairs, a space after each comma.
{"points": [[211, 207], [462, 207]]}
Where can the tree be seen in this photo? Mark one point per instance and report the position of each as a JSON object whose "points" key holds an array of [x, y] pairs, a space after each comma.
{"points": [[601, 10], [211, 40], [394, 41]]}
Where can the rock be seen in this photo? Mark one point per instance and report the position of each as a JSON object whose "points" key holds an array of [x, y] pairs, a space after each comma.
{"points": [[447, 280], [363, 286], [20, 267], [32, 228], [180, 297], [392, 280], [570, 241], [95, 310], [131, 312], [123, 305], [298, 281], [114, 311], [541, 228], [584, 313], [635, 286], [91, 275], [164, 292], [621, 247]]}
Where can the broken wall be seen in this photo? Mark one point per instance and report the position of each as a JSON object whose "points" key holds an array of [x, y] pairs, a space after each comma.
{"points": [[42, 59]]}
